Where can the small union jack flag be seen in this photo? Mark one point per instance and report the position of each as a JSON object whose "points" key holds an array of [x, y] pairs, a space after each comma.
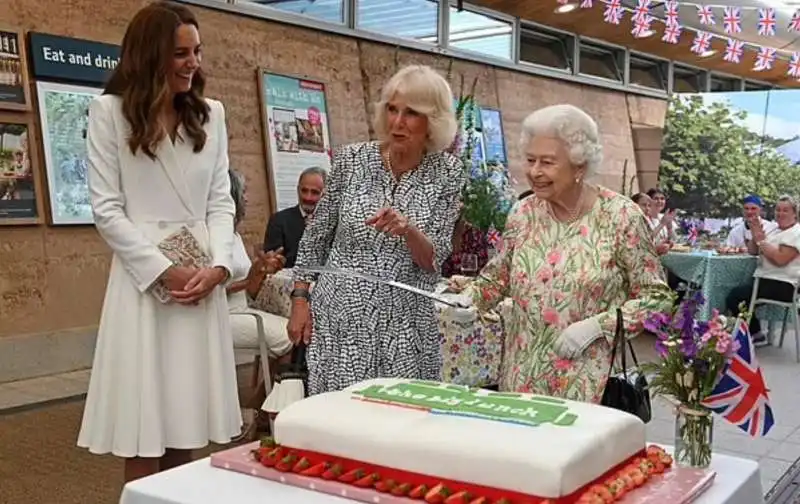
{"points": [[766, 22], [493, 236], [732, 20], [764, 59], [671, 13], [587, 4], [642, 10], [794, 66], [641, 27], [794, 24], [734, 51], [701, 43], [672, 33], [613, 12], [741, 396], [706, 15]]}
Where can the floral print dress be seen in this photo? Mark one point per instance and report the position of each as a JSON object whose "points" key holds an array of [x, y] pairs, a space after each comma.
{"points": [[556, 274]]}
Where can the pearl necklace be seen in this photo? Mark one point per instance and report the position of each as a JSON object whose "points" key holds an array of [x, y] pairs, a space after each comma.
{"points": [[572, 214]]}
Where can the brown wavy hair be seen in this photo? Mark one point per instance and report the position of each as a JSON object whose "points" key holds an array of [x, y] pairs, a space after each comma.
{"points": [[140, 78]]}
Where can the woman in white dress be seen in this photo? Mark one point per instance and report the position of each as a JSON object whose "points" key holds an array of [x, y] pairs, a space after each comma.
{"points": [[164, 379]]}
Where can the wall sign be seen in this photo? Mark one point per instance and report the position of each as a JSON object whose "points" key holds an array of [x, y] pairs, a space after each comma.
{"points": [[75, 60], [19, 173], [13, 78]]}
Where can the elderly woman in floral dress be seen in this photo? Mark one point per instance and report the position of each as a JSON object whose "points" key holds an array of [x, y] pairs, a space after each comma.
{"points": [[572, 254]]}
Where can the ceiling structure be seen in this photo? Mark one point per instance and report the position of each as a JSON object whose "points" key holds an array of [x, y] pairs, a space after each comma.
{"points": [[590, 23]]}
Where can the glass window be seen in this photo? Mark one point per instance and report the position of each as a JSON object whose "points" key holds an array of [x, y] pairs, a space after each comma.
{"points": [[415, 19], [648, 72], [721, 84], [325, 10], [756, 86], [601, 61], [478, 33], [688, 80], [547, 48]]}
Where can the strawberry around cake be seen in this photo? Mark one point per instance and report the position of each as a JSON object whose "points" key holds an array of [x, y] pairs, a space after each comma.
{"points": [[412, 437]]}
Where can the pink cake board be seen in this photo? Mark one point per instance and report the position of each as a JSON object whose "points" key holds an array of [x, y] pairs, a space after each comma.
{"points": [[677, 486]]}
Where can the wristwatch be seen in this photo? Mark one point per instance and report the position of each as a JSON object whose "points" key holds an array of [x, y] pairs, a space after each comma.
{"points": [[300, 293]]}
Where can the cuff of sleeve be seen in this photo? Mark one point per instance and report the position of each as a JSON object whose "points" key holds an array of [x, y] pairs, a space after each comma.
{"points": [[145, 284]]}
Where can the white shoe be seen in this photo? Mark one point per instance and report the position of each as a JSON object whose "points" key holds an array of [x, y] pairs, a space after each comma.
{"points": [[760, 339]]}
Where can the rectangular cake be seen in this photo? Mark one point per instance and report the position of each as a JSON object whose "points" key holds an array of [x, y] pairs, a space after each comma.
{"points": [[525, 444]]}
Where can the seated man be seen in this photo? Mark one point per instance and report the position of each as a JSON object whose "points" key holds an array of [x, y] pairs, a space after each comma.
{"points": [[740, 234], [778, 263], [285, 228]]}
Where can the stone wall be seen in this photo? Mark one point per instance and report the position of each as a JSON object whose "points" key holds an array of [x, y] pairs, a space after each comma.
{"points": [[52, 279]]}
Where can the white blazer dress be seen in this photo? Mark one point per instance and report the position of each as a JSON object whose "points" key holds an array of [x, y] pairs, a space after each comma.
{"points": [[163, 374]]}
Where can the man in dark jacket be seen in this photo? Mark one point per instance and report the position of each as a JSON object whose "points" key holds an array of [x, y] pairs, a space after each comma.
{"points": [[285, 228]]}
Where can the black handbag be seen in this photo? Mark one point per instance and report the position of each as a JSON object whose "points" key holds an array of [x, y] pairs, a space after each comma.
{"points": [[629, 393]]}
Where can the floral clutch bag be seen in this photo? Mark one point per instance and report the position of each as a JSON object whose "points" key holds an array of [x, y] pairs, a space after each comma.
{"points": [[183, 249]]}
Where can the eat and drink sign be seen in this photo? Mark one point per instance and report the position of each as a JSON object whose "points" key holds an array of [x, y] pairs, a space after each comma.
{"points": [[73, 60]]}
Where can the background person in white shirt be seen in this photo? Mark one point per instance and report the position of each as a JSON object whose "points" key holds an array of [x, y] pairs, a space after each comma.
{"points": [[779, 262], [752, 207]]}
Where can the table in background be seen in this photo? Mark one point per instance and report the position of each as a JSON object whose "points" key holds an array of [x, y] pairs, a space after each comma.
{"points": [[737, 482], [717, 275], [471, 351]]}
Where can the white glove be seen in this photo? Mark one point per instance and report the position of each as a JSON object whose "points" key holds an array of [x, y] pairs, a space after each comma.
{"points": [[465, 315], [464, 300], [577, 337]]}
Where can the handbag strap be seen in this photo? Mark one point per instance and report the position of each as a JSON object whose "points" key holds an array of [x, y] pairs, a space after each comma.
{"points": [[626, 345]]}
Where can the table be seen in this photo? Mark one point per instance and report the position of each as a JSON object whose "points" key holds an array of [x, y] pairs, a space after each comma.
{"points": [[471, 351], [737, 482], [718, 275]]}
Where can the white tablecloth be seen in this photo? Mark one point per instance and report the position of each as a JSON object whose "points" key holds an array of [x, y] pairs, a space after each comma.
{"points": [[737, 482]]}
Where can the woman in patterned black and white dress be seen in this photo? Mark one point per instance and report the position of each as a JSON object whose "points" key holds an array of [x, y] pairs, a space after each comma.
{"points": [[388, 210]]}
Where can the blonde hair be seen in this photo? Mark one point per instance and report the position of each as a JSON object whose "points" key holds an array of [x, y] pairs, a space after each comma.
{"points": [[426, 92]]}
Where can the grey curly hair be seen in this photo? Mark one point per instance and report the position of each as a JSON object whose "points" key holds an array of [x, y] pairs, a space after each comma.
{"points": [[237, 193], [572, 126]]}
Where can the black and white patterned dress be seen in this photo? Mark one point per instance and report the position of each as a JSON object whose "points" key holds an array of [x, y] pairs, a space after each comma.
{"points": [[365, 330]]}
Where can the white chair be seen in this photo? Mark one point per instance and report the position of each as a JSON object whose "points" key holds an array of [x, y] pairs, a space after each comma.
{"points": [[261, 362], [790, 306]]}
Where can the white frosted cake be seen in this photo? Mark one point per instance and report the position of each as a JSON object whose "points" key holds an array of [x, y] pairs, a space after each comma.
{"points": [[527, 445]]}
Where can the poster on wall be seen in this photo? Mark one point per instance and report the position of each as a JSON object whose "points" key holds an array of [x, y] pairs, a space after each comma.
{"points": [[295, 117], [17, 185], [494, 143], [63, 112], [13, 79]]}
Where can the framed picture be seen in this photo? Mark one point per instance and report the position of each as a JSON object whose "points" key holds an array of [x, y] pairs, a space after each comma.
{"points": [[294, 112], [63, 114], [19, 175], [13, 72], [494, 142]]}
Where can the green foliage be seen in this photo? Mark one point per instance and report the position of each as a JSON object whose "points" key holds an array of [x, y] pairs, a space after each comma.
{"points": [[709, 161]]}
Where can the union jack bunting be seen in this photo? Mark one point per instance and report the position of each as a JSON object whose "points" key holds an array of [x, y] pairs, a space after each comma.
{"points": [[701, 43], [613, 12], [706, 15], [734, 51], [741, 396], [732, 20], [794, 66], [764, 59], [672, 33], [642, 10], [587, 4], [493, 237], [794, 24], [641, 27], [766, 22], [671, 13]]}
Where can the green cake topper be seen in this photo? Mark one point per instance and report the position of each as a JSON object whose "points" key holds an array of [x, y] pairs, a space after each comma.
{"points": [[440, 398]]}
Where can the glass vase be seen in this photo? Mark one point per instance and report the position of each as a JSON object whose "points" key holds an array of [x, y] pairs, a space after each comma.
{"points": [[694, 433]]}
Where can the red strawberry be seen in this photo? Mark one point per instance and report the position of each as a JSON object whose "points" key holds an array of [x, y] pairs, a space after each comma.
{"points": [[367, 481], [316, 471], [271, 458], [351, 476], [666, 459], [333, 473], [385, 485], [401, 490], [480, 500], [437, 494], [462, 497], [637, 476], [286, 463], [301, 465], [602, 492], [591, 498], [418, 492], [268, 442], [502, 500]]}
